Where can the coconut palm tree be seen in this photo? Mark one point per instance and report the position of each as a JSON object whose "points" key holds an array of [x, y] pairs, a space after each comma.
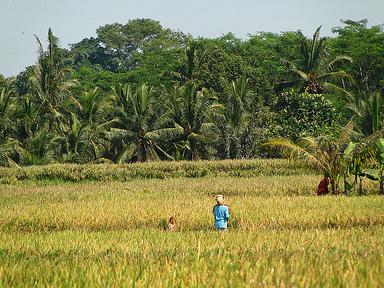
{"points": [[192, 58], [28, 122], [8, 107], [93, 107], [82, 143], [137, 135], [368, 111], [234, 120], [317, 72], [50, 83], [190, 110], [38, 149], [10, 151], [88, 136], [9, 146]]}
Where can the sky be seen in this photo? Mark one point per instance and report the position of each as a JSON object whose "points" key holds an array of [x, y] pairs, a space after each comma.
{"points": [[74, 20]]}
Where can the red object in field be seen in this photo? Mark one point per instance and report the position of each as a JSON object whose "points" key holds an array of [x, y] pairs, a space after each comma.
{"points": [[323, 186]]}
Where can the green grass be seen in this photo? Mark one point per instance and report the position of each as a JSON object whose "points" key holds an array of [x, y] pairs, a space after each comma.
{"points": [[110, 234]]}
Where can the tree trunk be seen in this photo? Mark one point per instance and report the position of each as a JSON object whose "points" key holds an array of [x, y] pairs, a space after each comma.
{"points": [[355, 184], [360, 186], [333, 185], [194, 152], [345, 185]]}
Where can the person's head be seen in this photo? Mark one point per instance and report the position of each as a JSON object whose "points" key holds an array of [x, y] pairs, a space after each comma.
{"points": [[220, 199], [172, 220]]}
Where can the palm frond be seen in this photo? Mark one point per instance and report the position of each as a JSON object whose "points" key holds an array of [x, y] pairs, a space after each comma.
{"points": [[345, 135], [294, 151], [330, 88], [292, 67], [340, 59]]}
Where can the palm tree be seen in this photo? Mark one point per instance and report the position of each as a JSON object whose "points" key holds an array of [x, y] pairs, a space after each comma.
{"points": [[50, 83], [192, 58], [38, 149], [8, 107], [9, 146], [28, 121], [93, 107], [137, 135], [190, 110], [317, 71], [34, 144], [88, 136], [368, 111], [10, 151], [233, 123], [324, 153], [79, 144]]}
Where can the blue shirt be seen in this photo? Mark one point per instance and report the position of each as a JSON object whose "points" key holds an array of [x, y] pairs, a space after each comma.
{"points": [[221, 216]]}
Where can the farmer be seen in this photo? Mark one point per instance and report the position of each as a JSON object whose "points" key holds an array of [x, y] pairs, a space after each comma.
{"points": [[220, 213], [322, 189]]}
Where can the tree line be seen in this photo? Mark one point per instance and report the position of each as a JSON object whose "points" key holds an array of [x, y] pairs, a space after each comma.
{"points": [[141, 92]]}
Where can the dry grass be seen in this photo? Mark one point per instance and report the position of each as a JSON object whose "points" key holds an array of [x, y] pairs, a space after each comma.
{"points": [[159, 170], [110, 234]]}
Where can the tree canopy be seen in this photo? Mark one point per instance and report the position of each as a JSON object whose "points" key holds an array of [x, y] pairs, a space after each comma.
{"points": [[141, 92]]}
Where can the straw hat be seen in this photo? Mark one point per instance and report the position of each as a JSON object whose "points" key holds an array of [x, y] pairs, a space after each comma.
{"points": [[220, 198]]}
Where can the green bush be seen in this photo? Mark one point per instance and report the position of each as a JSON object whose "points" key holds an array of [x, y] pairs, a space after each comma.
{"points": [[302, 114]]}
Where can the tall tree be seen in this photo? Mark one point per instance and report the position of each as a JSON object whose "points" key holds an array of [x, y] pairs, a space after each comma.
{"points": [[8, 107], [234, 122], [366, 46], [125, 43], [88, 136], [317, 72], [190, 110], [191, 60], [9, 146], [137, 135], [90, 51], [50, 83]]}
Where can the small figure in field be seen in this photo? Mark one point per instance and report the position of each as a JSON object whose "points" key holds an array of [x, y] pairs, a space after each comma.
{"points": [[171, 226], [322, 189], [220, 213]]}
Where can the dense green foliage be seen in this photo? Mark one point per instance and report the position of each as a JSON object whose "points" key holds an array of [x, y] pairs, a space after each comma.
{"points": [[139, 92]]}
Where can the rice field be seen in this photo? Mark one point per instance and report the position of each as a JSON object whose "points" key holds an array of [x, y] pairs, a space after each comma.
{"points": [[110, 234]]}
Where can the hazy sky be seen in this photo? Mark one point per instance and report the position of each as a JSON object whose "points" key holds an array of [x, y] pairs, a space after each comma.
{"points": [[73, 20]]}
